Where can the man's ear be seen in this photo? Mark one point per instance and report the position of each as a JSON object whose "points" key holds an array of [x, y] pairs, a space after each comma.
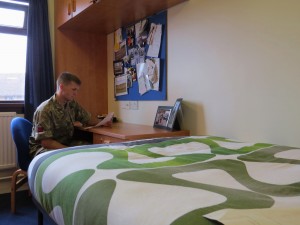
{"points": [[61, 86]]}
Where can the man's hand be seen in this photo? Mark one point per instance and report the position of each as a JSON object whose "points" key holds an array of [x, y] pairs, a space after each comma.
{"points": [[77, 124]]}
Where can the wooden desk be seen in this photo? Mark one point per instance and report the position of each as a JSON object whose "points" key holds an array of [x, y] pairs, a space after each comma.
{"points": [[120, 132]]}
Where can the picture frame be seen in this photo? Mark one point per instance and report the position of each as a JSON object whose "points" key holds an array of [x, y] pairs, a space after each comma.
{"points": [[118, 66], [162, 117], [175, 116]]}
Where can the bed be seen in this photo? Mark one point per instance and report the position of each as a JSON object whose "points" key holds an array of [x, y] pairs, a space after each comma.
{"points": [[201, 180]]}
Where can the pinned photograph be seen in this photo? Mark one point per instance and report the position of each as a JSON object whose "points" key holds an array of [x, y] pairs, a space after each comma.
{"points": [[118, 67], [121, 85], [141, 32], [121, 53], [130, 36]]}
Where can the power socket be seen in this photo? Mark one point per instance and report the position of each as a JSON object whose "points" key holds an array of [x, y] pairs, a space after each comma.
{"points": [[125, 105], [133, 105]]}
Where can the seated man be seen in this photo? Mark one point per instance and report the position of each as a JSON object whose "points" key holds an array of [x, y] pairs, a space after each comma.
{"points": [[55, 118]]}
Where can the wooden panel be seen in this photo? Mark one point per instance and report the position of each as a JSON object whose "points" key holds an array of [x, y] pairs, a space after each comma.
{"points": [[108, 15], [84, 54]]}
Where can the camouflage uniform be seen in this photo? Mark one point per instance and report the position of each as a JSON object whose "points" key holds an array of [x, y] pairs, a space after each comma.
{"points": [[52, 120]]}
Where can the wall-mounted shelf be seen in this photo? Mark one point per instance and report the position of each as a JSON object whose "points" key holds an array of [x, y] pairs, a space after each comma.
{"points": [[106, 16]]}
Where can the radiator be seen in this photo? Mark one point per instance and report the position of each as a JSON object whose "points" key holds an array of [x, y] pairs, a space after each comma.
{"points": [[7, 146]]}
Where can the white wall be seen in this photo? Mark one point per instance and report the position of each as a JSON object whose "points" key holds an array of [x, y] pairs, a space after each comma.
{"points": [[236, 63]]}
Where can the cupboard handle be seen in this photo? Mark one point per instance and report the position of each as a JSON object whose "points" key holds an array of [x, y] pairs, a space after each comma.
{"points": [[69, 9], [74, 5]]}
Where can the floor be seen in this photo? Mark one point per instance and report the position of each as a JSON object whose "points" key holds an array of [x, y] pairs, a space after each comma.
{"points": [[26, 212]]}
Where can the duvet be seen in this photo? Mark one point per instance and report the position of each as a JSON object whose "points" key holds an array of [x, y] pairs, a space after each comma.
{"points": [[199, 180]]}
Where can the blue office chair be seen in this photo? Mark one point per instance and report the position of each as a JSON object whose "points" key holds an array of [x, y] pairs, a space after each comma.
{"points": [[20, 130]]}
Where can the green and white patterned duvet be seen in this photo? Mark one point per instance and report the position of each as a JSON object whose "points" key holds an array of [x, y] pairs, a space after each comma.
{"points": [[190, 180]]}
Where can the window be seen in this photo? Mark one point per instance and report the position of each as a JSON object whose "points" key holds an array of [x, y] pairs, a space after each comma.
{"points": [[13, 46]]}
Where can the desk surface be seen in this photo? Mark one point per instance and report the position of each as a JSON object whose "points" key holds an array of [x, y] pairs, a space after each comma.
{"points": [[127, 131]]}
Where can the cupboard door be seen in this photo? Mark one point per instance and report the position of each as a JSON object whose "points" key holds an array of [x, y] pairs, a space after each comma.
{"points": [[80, 5], [63, 11]]}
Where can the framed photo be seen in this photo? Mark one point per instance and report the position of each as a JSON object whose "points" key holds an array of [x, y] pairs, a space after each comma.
{"points": [[118, 67], [175, 115], [162, 117]]}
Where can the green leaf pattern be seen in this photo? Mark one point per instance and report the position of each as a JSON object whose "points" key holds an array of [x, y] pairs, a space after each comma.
{"points": [[174, 181]]}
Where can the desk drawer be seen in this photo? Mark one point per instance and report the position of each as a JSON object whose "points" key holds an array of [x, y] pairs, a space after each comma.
{"points": [[103, 139]]}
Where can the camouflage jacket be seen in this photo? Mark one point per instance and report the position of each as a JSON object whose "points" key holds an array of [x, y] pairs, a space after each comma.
{"points": [[52, 120]]}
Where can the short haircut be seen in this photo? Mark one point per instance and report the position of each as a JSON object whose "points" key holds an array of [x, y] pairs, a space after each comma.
{"points": [[66, 78]]}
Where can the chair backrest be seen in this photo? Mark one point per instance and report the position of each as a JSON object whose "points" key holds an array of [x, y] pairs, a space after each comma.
{"points": [[21, 130]]}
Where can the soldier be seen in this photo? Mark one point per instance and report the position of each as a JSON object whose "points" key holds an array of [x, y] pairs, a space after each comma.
{"points": [[55, 118]]}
